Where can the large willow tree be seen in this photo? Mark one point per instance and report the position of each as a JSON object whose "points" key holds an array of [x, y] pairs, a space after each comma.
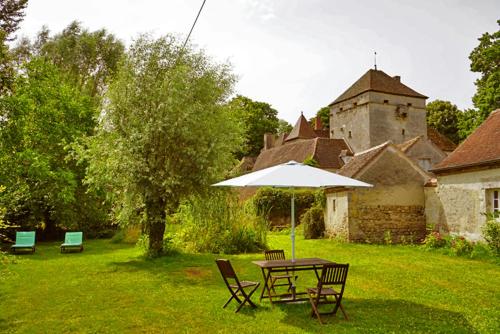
{"points": [[164, 134]]}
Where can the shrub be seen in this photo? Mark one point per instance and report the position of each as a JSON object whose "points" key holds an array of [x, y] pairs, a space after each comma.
{"points": [[461, 246], [434, 240], [491, 233], [480, 251], [276, 202], [218, 223], [313, 221]]}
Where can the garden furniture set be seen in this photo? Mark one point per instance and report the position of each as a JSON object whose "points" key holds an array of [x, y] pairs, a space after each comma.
{"points": [[331, 280]]}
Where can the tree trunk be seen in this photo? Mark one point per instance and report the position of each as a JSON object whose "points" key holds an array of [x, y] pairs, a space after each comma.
{"points": [[156, 231], [156, 227]]}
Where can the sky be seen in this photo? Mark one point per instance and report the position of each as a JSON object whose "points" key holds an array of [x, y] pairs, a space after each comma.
{"points": [[299, 55]]}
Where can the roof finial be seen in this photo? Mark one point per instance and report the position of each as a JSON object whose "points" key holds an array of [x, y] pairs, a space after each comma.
{"points": [[375, 58], [301, 113]]}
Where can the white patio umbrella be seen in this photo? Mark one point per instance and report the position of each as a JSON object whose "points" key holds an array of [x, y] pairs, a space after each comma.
{"points": [[292, 175]]}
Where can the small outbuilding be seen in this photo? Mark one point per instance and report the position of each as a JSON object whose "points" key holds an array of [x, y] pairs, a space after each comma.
{"points": [[392, 210], [468, 183]]}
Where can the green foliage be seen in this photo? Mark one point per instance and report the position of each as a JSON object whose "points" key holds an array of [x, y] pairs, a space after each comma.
{"points": [[434, 240], [218, 223], [43, 187], [310, 161], [11, 15], [469, 120], [166, 134], [258, 118], [485, 60], [444, 117], [313, 221], [461, 246], [324, 115], [89, 60], [283, 127], [491, 233], [275, 202]]}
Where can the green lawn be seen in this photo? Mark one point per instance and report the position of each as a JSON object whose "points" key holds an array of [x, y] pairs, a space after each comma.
{"points": [[110, 288]]}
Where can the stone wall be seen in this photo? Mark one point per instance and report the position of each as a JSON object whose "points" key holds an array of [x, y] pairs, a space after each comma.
{"points": [[367, 120], [336, 217], [375, 224], [458, 203]]}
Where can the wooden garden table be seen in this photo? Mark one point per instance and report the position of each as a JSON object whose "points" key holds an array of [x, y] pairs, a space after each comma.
{"points": [[281, 266]]}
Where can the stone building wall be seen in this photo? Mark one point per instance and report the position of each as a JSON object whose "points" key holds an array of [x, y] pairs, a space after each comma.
{"points": [[399, 119], [398, 223], [371, 118], [425, 150], [393, 207], [336, 215], [458, 203]]}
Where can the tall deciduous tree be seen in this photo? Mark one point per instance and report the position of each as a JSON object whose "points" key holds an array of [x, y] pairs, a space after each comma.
{"points": [[89, 59], [258, 118], [37, 122], [444, 117], [485, 59], [165, 134], [11, 14]]}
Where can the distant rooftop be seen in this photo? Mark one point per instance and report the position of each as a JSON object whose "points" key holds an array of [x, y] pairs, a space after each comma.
{"points": [[377, 81], [481, 148]]}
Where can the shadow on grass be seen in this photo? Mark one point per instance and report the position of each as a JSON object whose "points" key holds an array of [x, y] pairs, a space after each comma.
{"points": [[380, 316]]}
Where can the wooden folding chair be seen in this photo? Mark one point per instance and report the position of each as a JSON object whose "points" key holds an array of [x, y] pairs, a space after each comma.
{"points": [[279, 254], [235, 286], [332, 275]]}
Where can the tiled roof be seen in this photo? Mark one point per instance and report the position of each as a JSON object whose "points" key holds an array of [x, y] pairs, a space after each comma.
{"points": [[301, 130], [361, 159], [440, 140], [377, 81], [482, 147], [325, 151], [409, 143], [322, 133]]}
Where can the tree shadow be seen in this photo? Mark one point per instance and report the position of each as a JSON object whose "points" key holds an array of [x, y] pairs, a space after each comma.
{"points": [[380, 316]]}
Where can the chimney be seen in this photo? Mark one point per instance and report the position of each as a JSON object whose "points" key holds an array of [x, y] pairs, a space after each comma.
{"points": [[268, 141], [318, 125], [397, 78]]}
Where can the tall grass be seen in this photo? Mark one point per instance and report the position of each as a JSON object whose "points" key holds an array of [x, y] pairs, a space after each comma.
{"points": [[220, 223]]}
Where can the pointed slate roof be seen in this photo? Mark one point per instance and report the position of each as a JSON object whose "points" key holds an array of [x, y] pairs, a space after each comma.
{"points": [[481, 148], [377, 81], [301, 130]]}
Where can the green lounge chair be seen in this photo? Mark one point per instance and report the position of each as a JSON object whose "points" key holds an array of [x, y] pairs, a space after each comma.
{"points": [[24, 240], [72, 240]]}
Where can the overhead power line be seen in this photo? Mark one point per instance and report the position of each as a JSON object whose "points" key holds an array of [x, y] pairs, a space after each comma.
{"points": [[192, 27]]}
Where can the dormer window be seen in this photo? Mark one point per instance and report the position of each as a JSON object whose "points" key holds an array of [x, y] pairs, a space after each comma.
{"points": [[350, 134]]}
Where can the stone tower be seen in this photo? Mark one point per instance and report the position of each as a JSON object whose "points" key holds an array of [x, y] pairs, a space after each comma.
{"points": [[375, 109]]}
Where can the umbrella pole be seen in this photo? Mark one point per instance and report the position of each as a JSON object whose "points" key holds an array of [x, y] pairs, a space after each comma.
{"points": [[293, 241], [293, 225]]}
